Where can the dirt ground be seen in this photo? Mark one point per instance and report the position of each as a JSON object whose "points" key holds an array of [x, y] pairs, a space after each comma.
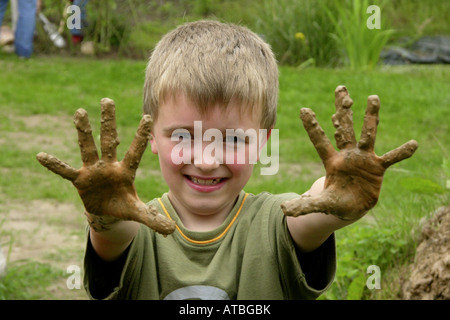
{"points": [[48, 232], [430, 274], [45, 231], [54, 233]]}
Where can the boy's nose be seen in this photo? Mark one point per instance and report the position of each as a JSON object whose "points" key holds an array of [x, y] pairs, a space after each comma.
{"points": [[206, 161], [206, 167]]}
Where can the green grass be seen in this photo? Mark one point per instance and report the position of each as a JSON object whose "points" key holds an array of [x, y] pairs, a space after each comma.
{"points": [[39, 96], [28, 280]]}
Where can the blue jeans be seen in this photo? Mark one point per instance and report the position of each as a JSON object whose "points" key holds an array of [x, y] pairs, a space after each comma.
{"points": [[23, 37], [82, 4]]}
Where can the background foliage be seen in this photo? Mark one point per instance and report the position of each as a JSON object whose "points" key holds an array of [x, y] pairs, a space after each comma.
{"points": [[307, 32], [303, 34]]}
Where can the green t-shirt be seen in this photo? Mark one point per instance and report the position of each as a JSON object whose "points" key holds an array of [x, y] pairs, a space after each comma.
{"points": [[250, 256]]}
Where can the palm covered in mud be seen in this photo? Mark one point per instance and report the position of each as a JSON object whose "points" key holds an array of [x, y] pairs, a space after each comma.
{"points": [[353, 175], [105, 185]]}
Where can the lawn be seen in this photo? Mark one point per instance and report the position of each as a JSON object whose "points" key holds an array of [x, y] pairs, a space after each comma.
{"points": [[39, 96]]}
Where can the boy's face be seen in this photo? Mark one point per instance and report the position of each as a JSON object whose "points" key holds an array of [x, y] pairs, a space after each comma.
{"points": [[206, 182]]}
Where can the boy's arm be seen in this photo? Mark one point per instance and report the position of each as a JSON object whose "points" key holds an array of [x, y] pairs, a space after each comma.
{"points": [[353, 175], [110, 244], [106, 186], [309, 231]]}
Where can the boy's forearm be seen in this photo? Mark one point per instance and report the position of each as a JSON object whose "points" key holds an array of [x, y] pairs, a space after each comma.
{"points": [[311, 230], [109, 244]]}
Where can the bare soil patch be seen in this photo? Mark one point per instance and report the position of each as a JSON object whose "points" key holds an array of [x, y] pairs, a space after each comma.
{"points": [[49, 232], [430, 273]]}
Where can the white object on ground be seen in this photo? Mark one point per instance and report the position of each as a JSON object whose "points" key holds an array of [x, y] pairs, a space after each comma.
{"points": [[2, 263]]}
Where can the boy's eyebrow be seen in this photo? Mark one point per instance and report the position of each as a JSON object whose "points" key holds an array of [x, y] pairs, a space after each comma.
{"points": [[172, 128]]}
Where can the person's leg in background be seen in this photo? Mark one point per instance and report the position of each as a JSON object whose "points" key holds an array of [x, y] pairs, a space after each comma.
{"points": [[77, 34], [3, 6], [26, 24]]}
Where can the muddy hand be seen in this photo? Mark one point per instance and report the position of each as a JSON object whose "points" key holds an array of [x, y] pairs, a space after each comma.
{"points": [[105, 185], [355, 173]]}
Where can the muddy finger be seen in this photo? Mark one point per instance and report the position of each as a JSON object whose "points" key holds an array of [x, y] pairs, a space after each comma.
{"points": [[89, 154], [57, 166], [343, 119], [305, 204], [108, 130], [151, 217], [371, 119], [316, 134], [325, 202], [401, 153], [134, 154]]}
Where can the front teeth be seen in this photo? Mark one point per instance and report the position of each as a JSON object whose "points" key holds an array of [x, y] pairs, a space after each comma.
{"points": [[209, 182]]}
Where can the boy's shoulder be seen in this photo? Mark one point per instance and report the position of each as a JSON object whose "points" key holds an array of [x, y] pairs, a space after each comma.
{"points": [[266, 198], [249, 197], [247, 202]]}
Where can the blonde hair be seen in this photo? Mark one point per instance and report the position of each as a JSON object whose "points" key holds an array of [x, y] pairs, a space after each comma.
{"points": [[212, 62]]}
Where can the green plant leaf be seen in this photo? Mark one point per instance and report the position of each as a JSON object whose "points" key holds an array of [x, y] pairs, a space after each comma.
{"points": [[421, 185], [356, 287]]}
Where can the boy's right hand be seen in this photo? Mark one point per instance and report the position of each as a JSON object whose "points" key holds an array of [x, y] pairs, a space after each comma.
{"points": [[105, 185]]}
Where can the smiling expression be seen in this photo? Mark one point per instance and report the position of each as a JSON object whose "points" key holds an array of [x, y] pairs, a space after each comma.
{"points": [[204, 189]]}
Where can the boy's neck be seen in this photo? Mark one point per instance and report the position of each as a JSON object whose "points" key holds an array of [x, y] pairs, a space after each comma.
{"points": [[201, 222]]}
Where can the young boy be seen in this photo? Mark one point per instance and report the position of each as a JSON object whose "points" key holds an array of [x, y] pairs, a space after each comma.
{"points": [[208, 238]]}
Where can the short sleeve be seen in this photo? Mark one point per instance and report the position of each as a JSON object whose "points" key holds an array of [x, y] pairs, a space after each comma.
{"points": [[303, 275], [131, 282], [102, 278]]}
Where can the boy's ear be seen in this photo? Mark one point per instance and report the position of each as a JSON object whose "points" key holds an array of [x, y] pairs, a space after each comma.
{"points": [[153, 144], [268, 134], [263, 142]]}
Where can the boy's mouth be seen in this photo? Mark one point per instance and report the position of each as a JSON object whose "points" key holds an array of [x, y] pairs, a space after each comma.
{"points": [[205, 182], [205, 185]]}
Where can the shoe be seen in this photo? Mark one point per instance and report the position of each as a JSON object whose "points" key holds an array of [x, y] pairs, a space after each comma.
{"points": [[6, 36]]}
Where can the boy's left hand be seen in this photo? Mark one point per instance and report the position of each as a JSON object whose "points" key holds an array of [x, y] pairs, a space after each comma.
{"points": [[354, 174]]}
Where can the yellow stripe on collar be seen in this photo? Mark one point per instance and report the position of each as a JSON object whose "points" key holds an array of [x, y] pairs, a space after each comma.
{"points": [[210, 240]]}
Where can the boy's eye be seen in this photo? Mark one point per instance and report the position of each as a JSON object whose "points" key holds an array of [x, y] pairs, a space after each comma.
{"points": [[180, 135], [234, 140]]}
